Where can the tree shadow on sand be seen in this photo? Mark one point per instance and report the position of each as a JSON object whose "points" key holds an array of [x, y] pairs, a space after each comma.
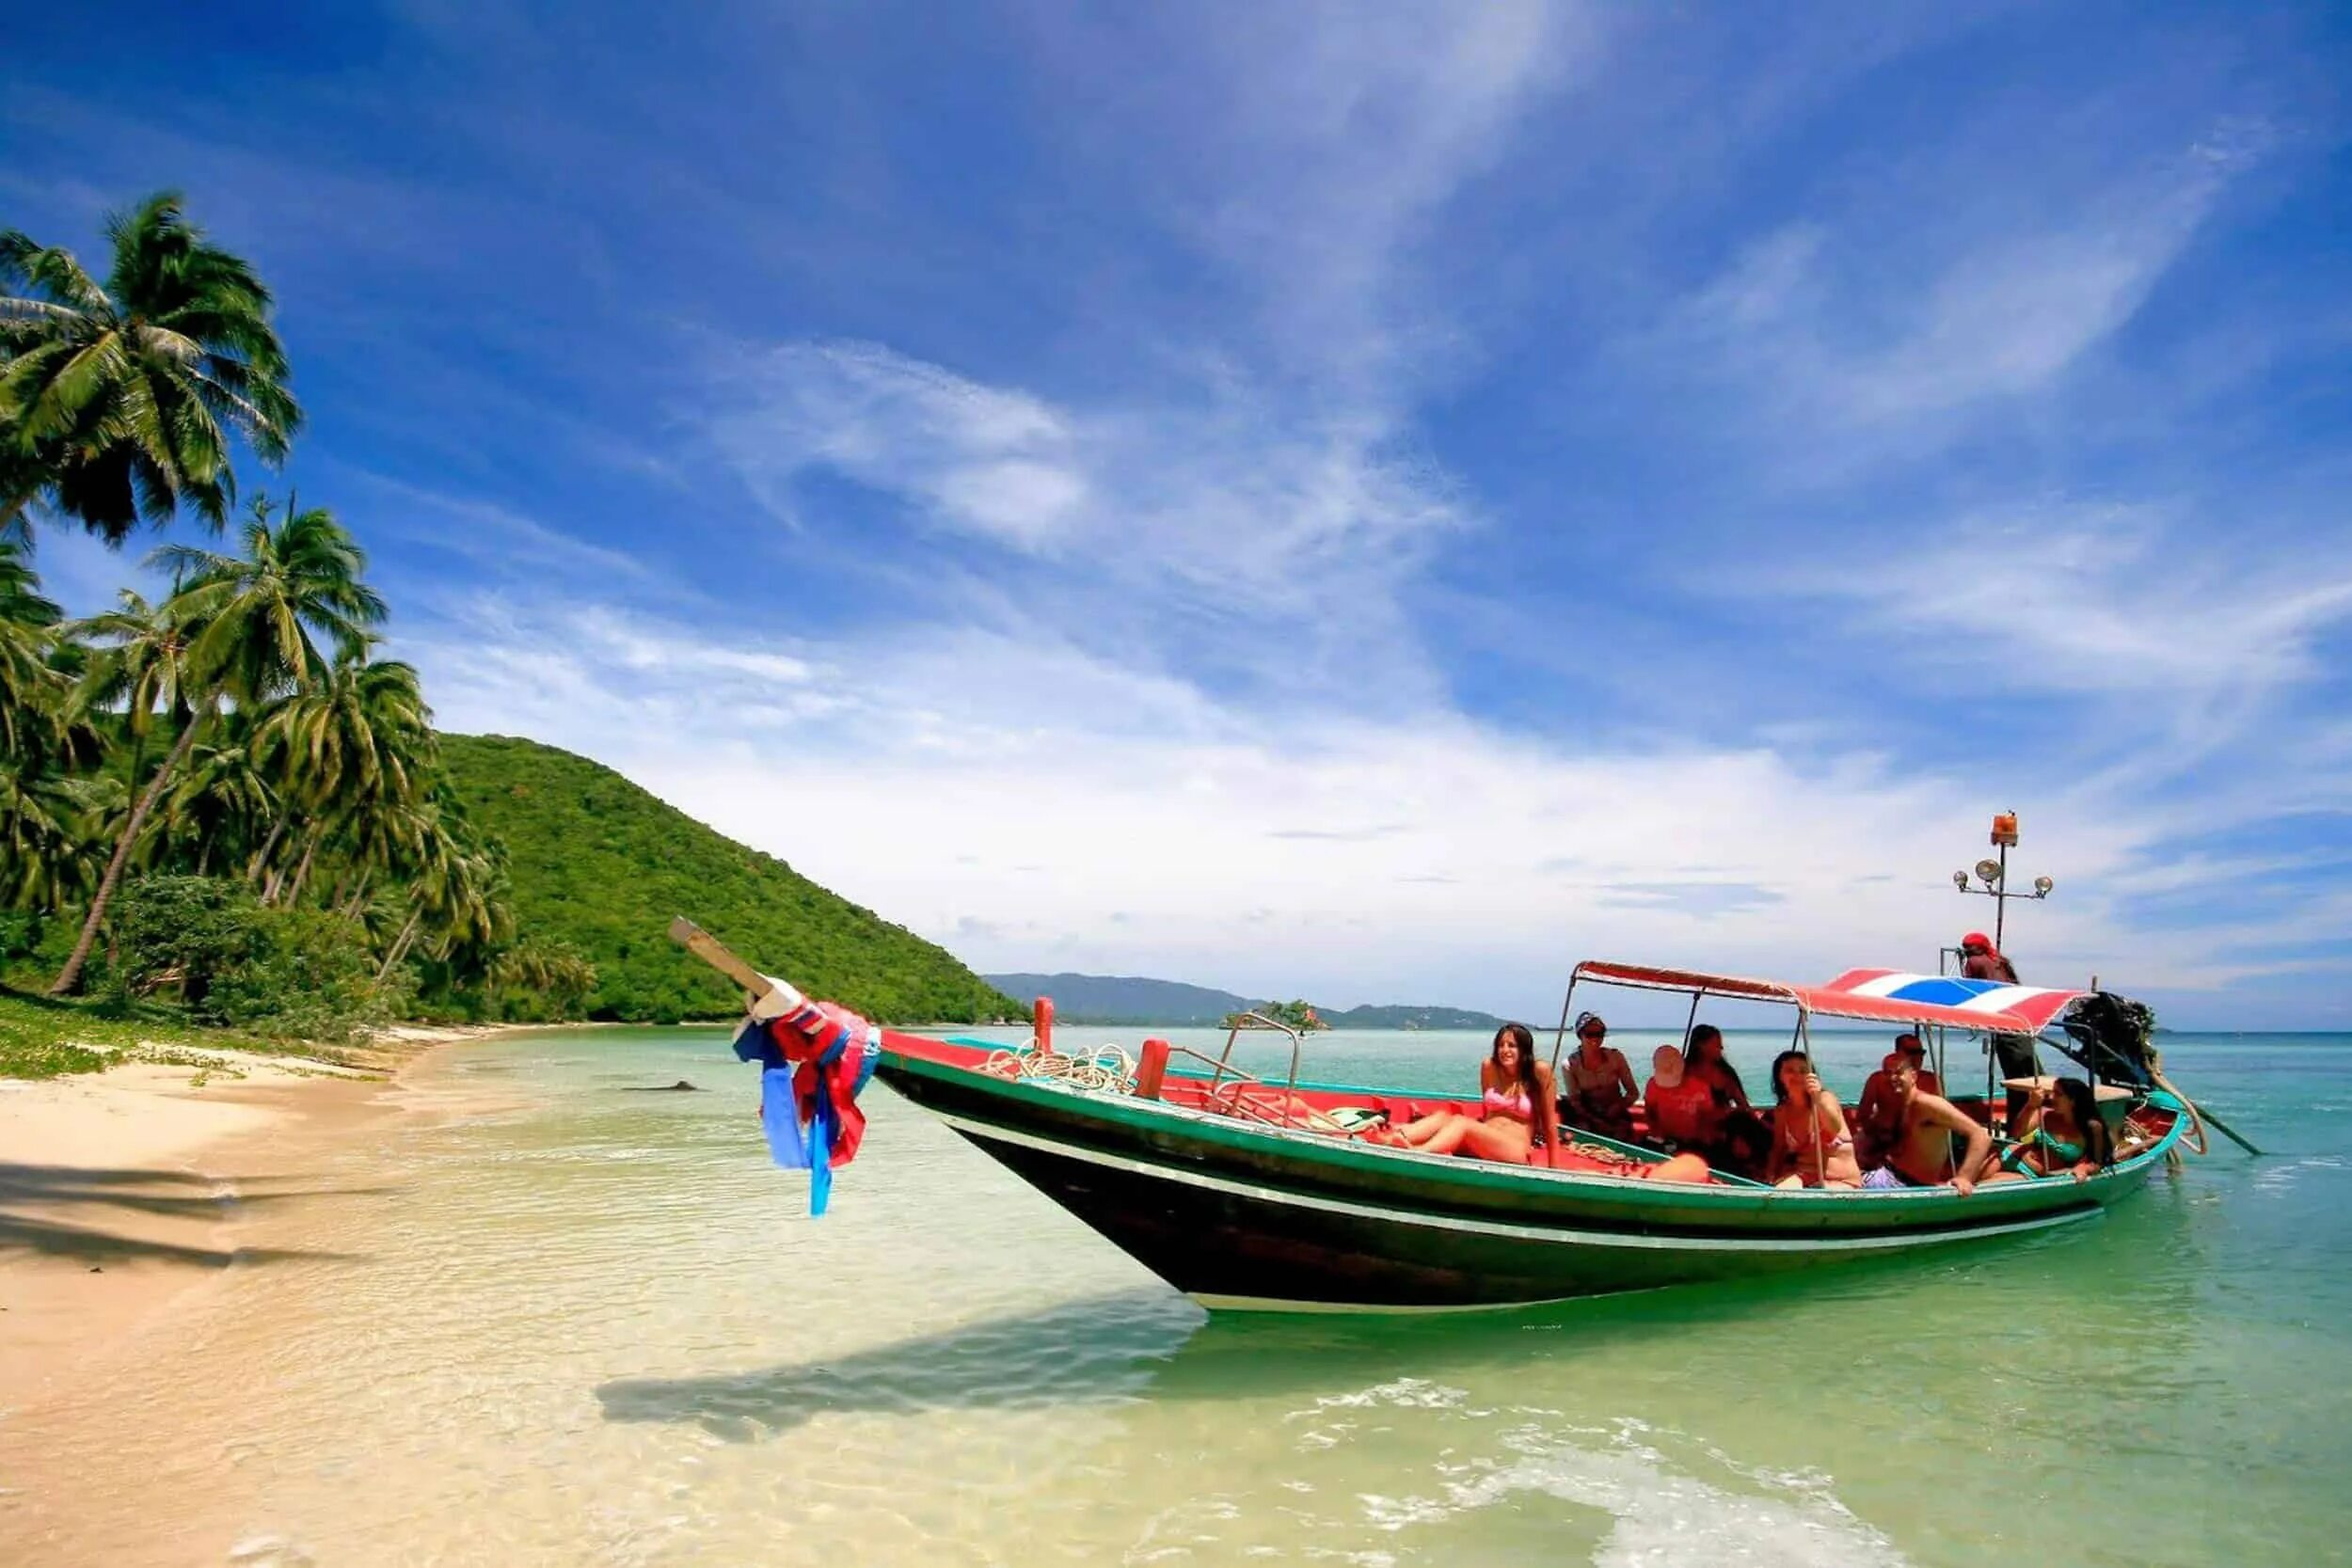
{"points": [[159, 1194]]}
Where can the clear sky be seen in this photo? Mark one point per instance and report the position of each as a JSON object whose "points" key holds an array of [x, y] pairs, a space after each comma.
{"points": [[1338, 501]]}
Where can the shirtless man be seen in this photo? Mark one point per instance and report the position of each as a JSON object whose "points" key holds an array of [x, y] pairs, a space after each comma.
{"points": [[1880, 1111], [1920, 1154]]}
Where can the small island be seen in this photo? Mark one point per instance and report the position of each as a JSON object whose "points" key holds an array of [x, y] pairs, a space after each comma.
{"points": [[1293, 1015]]}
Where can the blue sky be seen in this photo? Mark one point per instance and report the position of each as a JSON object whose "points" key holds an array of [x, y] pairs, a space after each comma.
{"points": [[1352, 501]]}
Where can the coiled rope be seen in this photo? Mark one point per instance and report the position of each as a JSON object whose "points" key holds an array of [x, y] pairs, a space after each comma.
{"points": [[1106, 1067]]}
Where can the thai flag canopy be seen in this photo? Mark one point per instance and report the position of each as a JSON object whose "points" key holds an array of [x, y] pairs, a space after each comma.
{"points": [[1897, 997]]}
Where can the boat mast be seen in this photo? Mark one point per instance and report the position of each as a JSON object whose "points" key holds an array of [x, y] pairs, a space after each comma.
{"points": [[1993, 873]]}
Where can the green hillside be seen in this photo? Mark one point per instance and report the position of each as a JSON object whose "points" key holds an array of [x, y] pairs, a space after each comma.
{"points": [[601, 864]]}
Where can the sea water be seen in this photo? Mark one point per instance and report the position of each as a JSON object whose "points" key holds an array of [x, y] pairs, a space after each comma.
{"points": [[545, 1320]]}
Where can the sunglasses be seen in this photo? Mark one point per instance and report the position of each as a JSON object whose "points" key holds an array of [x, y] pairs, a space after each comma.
{"points": [[1592, 1034]]}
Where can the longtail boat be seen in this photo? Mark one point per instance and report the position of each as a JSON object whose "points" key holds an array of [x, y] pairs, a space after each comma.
{"points": [[1251, 1192]]}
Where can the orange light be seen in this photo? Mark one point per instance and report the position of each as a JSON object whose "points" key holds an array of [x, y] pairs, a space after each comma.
{"points": [[2004, 829]]}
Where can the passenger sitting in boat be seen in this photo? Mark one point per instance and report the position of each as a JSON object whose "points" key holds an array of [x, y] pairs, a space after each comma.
{"points": [[1811, 1147], [2062, 1131], [1919, 1152], [1879, 1114], [1520, 1117], [1681, 1107], [1600, 1093], [1740, 1142]]}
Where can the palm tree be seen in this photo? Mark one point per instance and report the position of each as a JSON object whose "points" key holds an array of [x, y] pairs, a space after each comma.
{"points": [[49, 822], [553, 970], [219, 803], [258, 616], [119, 400], [138, 658], [31, 693], [362, 733], [357, 747], [459, 888], [252, 623]]}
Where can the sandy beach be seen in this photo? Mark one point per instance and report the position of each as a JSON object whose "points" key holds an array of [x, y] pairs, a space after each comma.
{"points": [[123, 1191]]}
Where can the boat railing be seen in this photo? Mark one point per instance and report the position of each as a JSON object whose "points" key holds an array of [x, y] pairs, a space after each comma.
{"points": [[1221, 1066]]}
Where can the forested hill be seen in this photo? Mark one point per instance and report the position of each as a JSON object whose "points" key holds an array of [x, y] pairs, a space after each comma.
{"points": [[1131, 998], [601, 864]]}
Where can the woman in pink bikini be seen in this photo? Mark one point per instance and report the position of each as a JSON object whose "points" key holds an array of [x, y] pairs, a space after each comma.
{"points": [[1519, 1125]]}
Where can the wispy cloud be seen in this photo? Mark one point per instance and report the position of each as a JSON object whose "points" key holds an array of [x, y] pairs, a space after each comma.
{"points": [[2107, 601], [493, 537], [1269, 537], [1874, 344]]}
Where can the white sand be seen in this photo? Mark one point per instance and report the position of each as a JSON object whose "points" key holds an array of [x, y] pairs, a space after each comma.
{"points": [[119, 1191]]}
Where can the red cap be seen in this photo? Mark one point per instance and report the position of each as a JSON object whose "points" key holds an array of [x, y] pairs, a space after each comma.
{"points": [[1976, 938]]}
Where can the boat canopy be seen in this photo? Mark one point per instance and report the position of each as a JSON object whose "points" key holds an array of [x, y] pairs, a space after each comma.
{"points": [[1881, 995]]}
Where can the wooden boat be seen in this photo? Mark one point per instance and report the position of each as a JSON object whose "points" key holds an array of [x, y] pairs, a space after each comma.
{"points": [[1254, 1194]]}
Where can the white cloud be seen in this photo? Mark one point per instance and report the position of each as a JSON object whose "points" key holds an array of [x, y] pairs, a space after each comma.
{"points": [[1036, 807], [983, 460], [2103, 601], [1220, 527], [1326, 138], [1885, 338]]}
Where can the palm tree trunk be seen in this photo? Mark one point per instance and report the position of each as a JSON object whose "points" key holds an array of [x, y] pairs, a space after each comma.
{"points": [[358, 899], [260, 859], [302, 872], [279, 876], [399, 948], [70, 978]]}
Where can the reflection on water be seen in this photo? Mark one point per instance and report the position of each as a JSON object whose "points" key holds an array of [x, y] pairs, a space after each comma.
{"points": [[569, 1323]]}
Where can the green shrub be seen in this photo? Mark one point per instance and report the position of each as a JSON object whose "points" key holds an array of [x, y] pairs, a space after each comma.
{"points": [[181, 935], [294, 974]]}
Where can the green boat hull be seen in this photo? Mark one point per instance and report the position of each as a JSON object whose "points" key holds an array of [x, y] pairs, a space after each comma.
{"points": [[1241, 1215]]}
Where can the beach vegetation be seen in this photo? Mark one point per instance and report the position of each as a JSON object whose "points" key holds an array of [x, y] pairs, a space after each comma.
{"points": [[600, 866], [1297, 1013], [124, 397], [222, 807]]}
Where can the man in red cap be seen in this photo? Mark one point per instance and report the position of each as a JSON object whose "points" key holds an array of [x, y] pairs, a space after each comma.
{"points": [[1980, 962]]}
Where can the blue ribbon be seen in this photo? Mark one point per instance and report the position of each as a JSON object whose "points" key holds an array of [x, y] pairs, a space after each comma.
{"points": [[793, 1145]]}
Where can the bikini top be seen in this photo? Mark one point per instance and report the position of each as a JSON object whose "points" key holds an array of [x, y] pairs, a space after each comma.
{"points": [[1829, 1146], [2069, 1153], [1516, 1105]]}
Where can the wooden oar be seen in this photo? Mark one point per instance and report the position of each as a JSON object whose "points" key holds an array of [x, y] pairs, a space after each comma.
{"points": [[710, 950]]}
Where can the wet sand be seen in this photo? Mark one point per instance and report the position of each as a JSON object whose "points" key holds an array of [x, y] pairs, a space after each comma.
{"points": [[123, 1192]]}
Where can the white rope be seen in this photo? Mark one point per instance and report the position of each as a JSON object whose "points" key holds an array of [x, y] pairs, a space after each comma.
{"points": [[1107, 1067]]}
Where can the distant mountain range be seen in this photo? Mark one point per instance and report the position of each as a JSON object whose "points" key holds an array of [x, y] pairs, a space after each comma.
{"points": [[1133, 1000]]}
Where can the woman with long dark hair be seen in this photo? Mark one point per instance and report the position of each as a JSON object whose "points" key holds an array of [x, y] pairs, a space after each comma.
{"points": [[1518, 1125], [1811, 1147], [1742, 1142], [2062, 1132]]}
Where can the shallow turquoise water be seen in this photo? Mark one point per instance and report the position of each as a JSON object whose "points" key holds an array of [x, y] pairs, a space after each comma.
{"points": [[592, 1325]]}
